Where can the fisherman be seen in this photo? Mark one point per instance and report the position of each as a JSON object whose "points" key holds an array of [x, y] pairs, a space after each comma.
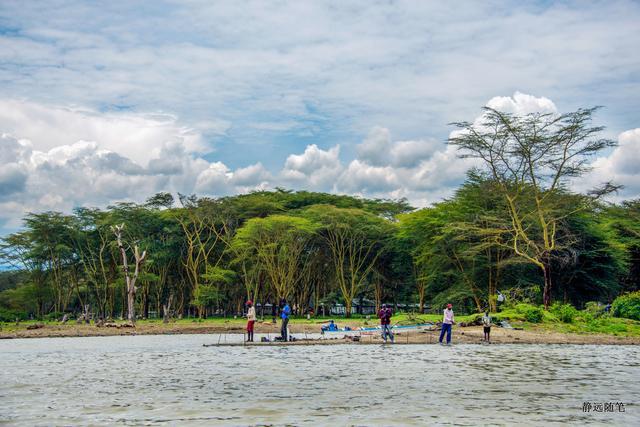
{"points": [[251, 320], [447, 322], [330, 327], [284, 315], [486, 323], [385, 314]]}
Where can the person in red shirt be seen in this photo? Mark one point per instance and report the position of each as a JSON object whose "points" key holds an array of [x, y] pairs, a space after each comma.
{"points": [[251, 320], [385, 314]]}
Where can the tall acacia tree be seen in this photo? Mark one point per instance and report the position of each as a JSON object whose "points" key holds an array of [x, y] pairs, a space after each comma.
{"points": [[355, 239], [277, 243], [531, 158]]}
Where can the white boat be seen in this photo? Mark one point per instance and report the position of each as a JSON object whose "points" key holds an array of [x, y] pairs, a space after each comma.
{"points": [[374, 330]]}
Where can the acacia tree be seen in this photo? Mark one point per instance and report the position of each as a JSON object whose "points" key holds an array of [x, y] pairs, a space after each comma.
{"points": [[277, 243], [355, 239], [531, 158]]}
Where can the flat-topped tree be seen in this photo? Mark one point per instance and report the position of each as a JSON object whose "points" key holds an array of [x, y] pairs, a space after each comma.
{"points": [[355, 240], [276, 244], [532, 158]]}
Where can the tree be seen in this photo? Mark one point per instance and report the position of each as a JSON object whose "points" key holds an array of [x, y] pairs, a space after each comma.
{"points": [[355, 239], [277, 243], [531, 158], [130, 279]]}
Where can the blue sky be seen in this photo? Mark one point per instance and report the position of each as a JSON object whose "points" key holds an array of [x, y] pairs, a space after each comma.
{"points": [[106, 101]]}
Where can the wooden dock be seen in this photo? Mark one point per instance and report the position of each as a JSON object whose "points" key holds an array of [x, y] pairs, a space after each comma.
{"points": [[399, 339]]}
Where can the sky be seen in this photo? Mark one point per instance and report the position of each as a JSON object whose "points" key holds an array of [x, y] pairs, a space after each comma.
{"points": [[114, 101]]}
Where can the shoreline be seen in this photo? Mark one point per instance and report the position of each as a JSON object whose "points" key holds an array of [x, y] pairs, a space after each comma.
{"points": [[467, 335]]}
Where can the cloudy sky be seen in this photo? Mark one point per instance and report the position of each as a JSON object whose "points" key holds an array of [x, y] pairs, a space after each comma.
{"points": [[108, 101]]}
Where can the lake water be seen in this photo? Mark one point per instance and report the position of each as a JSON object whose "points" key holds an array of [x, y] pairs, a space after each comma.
{"points": [[174, 380]]}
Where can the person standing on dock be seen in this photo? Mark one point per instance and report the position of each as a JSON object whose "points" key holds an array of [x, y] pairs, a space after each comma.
{"points": [[251, 320], [284, 315], [447, 323], [486, 323], [385, 314]]}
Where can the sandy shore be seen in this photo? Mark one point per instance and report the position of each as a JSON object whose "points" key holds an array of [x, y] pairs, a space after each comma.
{"points": [[471, 334]]}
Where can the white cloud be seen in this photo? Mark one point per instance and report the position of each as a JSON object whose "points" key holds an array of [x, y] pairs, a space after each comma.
{"points": [[315, 169], [136, 136], [621, 166], [378, 149], [362, 178], [38, 175], [250, 176], [521, 104]]}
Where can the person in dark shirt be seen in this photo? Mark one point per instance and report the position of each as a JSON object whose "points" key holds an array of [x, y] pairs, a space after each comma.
{"points": [[385, 314], [284, 315]]}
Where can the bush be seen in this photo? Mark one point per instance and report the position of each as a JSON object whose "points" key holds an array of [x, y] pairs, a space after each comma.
{"points": [[12, 315], [531, 313], [593, 310], [627, 305], [54, 316], [566, 313]]}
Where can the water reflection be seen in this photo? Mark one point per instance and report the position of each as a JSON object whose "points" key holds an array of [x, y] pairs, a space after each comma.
{"points": [[173, 380]]}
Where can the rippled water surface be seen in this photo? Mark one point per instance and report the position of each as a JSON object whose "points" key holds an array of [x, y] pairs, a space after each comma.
{"points": [[174, 380]]}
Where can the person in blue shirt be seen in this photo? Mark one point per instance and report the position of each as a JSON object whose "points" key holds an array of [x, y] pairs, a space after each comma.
{"points": [[284, 315]]}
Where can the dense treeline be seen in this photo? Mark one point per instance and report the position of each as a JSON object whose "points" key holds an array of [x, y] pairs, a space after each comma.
{"points": [[210, 255], [512, 226]]}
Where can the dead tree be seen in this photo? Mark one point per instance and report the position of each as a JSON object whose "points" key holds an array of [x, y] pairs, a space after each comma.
{"points": [[167, 310], [130, 279]]}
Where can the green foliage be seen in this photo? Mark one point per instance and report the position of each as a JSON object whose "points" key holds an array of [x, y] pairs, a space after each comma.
{"points": [[7, 315], [564, 312], [592, 310], [268, 244], [627, 306], [54, 316], [218, 275], [530, 313], [205, 296]]}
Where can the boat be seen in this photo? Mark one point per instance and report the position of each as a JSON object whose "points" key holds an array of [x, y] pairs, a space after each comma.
{"points": [[374, 330]]}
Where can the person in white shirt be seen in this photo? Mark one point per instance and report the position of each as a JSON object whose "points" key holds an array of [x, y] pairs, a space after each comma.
{"points": [[501, 299], [486, 323], [251, 320], [447, 323]]}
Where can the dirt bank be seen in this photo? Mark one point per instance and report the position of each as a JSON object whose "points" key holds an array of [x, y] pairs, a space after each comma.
{"points": [[472, 334]]}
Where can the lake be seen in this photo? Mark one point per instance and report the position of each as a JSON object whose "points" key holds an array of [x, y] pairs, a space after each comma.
{"points": [[174, 380]]}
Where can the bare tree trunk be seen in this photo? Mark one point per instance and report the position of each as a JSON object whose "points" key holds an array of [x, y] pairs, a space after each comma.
{"points": [[167, 310], [378, 295], [546, 292], [130, 279], [347, 307]]}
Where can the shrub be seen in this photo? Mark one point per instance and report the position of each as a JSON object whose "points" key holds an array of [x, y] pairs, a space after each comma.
{"points": [[566, 313], [531, 313], [11, 315], [54, 316], [593, 309], [627, 305]]}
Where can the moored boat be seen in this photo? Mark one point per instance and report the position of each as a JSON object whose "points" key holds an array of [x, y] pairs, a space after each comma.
{"points": [[376, 330]]}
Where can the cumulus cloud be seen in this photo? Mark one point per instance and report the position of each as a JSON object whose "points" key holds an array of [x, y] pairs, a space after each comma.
{"points": [[36, 175], [138, 137], [314, 169], [521, 104], [621, 166], [378, 149]]}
